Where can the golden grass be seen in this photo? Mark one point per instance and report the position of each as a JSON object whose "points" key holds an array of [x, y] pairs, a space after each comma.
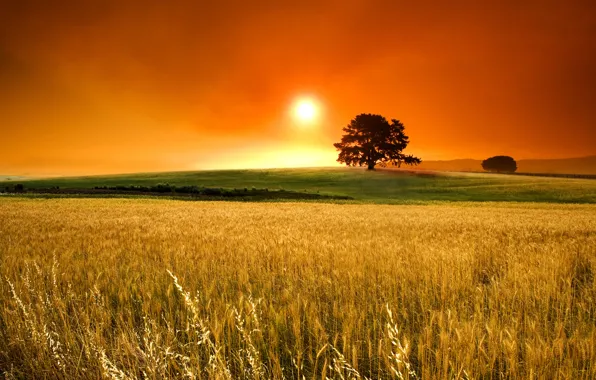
{"points": [[170, 289]]}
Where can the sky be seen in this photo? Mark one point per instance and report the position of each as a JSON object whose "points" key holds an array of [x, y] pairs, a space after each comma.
{"points": [[110, 86]]}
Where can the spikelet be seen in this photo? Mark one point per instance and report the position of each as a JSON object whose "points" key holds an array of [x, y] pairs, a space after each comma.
{"points": [[398, 357], [341, 368], [28, 318], [217, 366], [255, 369]]}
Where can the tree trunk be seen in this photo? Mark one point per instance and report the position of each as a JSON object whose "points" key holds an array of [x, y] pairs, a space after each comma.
{"points": [[371, 166]]}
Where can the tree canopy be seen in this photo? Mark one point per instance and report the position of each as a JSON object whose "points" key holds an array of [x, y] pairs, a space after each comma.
{"points": [[370, 140], [500, 164]]}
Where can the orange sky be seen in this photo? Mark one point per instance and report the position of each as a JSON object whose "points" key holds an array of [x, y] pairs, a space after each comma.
{"points": [[122, 86]]}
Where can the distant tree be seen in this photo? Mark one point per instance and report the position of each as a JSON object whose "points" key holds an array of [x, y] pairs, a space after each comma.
{"points": [[370, 140], [500, 164]]}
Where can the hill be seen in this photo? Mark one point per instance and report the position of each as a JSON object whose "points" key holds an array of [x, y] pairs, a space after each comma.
{"points": [[379, 186], [580, 165]]}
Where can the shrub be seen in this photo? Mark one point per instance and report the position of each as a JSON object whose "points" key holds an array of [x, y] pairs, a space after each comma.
{"points": [[188, 189], [162, 188], [211, 191], [500, 164]]}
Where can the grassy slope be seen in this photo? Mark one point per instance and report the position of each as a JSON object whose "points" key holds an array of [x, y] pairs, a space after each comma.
{"points": [[382, 186]]}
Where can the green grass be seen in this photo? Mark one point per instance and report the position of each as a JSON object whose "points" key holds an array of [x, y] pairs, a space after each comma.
{"points": [[380, 186]]}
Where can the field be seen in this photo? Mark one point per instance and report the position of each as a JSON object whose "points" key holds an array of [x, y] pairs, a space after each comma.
{"points": [[380, 186], [144, 288]]}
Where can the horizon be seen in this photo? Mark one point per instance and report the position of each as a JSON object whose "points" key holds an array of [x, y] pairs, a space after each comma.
{"points": [[336, 166]]}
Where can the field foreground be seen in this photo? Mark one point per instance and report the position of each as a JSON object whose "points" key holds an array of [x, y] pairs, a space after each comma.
{"points": [[121, 288]]}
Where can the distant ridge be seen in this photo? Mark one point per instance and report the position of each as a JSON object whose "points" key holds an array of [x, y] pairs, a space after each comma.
{"points": [[579, 165]]}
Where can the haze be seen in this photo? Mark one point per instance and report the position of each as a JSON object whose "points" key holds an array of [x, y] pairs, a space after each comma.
{"points": [[108, 86]]}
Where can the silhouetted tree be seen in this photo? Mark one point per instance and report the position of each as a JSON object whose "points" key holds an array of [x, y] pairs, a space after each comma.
{"points": [[370, 140], [500, 164]]}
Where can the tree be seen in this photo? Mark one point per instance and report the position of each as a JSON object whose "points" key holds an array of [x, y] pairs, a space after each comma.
{"points": [[499, 164], [370, 140]]}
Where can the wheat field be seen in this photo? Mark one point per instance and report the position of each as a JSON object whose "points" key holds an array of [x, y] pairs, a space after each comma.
{"points": [[126, 289]]}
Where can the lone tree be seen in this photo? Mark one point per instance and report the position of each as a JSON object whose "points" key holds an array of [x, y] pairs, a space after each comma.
{"points": [[370, 140], [500, 164]]}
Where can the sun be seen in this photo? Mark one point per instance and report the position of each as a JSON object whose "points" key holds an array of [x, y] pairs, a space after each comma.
{"points": [[305, 110]]}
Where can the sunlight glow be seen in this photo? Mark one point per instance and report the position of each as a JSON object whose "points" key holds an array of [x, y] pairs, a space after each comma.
{"points": [[279, 157], [305, 110]]}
